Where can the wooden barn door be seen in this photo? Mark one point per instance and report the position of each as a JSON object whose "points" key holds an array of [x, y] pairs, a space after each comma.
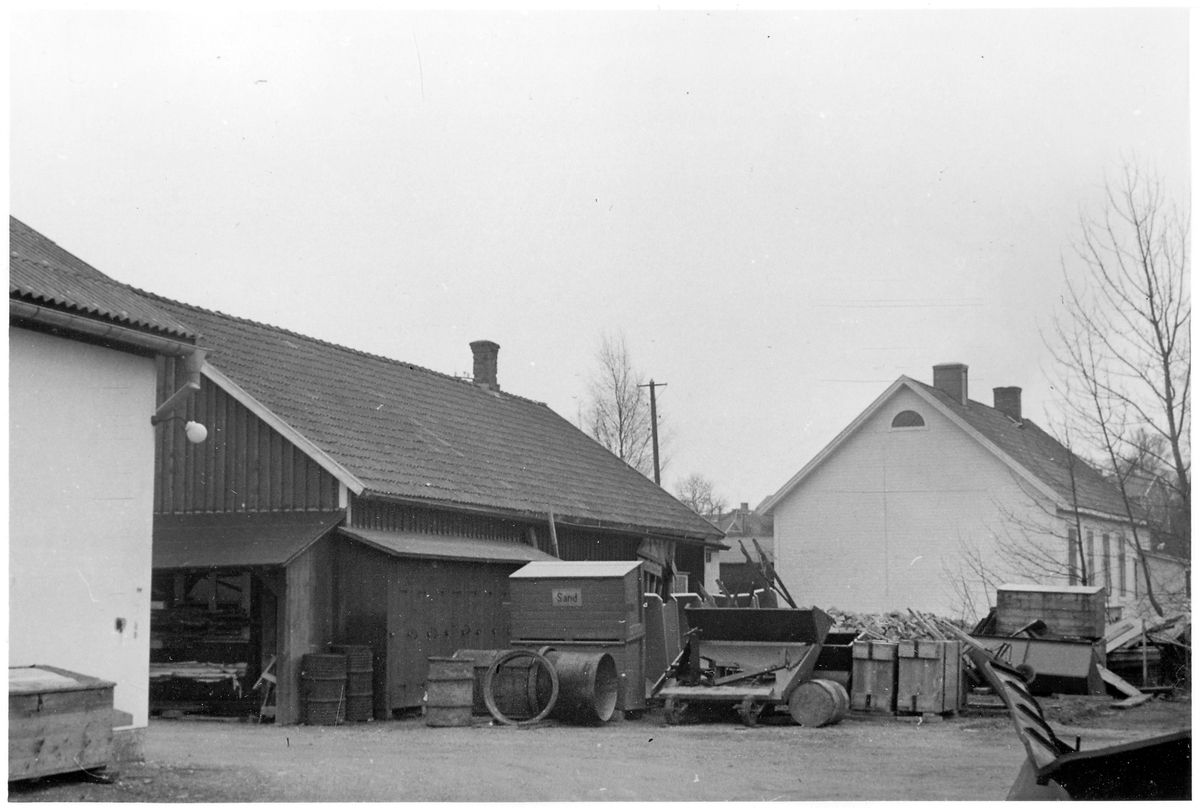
{"points": [[436, 608]]}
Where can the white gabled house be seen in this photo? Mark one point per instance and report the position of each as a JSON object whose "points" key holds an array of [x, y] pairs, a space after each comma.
{"points": [[82, 390], [929, 500]]}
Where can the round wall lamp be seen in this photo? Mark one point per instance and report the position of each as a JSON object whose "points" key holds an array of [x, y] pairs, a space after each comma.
{"points": [[195, 431]]}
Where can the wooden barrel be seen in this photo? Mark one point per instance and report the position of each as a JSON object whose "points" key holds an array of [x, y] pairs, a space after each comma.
{"points": [[520, 687], [448, 692], [360, 696], [323, 688], [818, 703]]}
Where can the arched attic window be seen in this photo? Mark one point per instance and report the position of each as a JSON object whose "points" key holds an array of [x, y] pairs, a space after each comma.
{"points": [[907, 419]]}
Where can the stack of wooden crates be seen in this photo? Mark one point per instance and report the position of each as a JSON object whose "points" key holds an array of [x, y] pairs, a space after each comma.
{"points": [[907, 677]]}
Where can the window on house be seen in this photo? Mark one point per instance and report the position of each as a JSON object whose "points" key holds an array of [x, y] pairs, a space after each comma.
{"points": [[1107, 550], [907, 419], [1121, 565], [1090, 577], [1072, 556]]}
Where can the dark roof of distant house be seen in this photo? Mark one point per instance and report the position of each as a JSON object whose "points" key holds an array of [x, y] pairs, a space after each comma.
{"points": [[413, 434], [1039, 453], [42, 273], [746, 523], [1040, 459]]}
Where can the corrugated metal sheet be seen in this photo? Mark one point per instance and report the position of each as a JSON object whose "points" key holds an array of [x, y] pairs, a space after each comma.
{"points": [[183, 541], [39, 271], [576, 569], [419, 545]]}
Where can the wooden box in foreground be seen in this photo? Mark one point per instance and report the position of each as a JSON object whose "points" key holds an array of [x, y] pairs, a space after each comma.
{"points": [[929, 676], [1067, 611], [58, 721]]}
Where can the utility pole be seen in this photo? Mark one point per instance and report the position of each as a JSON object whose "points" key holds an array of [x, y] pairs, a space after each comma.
{"points": [[654, 426]]}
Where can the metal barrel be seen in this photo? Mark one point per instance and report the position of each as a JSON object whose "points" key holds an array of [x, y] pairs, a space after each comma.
{"points": [[323, 687], [448, 692], [818, 703], [588, 685], [360, 696], [520, 687]]}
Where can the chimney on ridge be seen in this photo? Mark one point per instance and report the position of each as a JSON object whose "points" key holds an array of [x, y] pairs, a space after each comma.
{"points": [[951, 379], [485, 363], [1008, 401]]}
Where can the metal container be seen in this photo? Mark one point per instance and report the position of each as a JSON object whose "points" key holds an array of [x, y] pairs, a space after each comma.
{"points": [[323, 688], [449, 689], [359, 689], [588, 685], [818, 703]]}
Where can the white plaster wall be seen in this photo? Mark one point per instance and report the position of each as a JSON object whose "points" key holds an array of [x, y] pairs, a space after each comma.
{"points": [[873, 528], [81, 482]]}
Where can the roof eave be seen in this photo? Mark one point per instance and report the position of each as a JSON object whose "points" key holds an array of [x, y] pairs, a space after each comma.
{"points": [[541, 517], [316, 453], [24, 311], [768, 505]]}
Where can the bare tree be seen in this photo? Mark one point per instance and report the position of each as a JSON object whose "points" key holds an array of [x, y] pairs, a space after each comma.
{"points": [[1122, 342], [618, 409], [696, 492]]}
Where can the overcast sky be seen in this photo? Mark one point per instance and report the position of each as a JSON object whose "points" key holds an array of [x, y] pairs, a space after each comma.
{"points": [[781, 212]]}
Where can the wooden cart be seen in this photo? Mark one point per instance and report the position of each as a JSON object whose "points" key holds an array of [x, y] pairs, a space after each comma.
{"points": [[748, 658]]}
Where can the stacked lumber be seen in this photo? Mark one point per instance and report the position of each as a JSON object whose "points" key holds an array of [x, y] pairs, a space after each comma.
{"points": [[208, 672], [892, 626]]}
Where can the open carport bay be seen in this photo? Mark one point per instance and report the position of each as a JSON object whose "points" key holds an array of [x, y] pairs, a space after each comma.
{"points": [[644, 760]]}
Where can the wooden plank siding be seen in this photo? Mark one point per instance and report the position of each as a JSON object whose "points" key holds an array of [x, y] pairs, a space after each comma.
{"points": [[244, 465], [305, 623], [577, 544], [375, 515]]}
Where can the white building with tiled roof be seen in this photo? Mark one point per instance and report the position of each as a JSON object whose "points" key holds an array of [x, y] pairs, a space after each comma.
{"points": [[82, 355], [929, 499]]}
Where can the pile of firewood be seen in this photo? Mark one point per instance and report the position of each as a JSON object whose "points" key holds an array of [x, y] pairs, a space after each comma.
{"points": [[895, 625]]}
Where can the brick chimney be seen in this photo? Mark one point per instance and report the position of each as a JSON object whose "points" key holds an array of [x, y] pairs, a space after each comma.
{"points": [[1008, 401], [485, 363], [951, 379]]}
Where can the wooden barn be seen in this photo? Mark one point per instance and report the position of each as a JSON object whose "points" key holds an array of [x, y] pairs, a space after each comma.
{"points": [[345, 498]]}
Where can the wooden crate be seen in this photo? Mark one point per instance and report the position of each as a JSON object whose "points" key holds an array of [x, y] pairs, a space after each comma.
{"points": [[929, 676], [1067, 611], [873, 679], [585, 606], [58, 721]]}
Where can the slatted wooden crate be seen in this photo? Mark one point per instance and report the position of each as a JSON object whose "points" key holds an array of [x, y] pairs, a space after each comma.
{"points": [[1067, 611], [58, 721], [929, 676], [873, 679]]}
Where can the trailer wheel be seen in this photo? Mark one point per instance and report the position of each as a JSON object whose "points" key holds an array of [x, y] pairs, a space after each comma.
{"points": [[673, 712], [749, 712]]}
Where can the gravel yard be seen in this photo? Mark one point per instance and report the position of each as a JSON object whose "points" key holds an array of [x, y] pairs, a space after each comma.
{"points": [[636, 760]]}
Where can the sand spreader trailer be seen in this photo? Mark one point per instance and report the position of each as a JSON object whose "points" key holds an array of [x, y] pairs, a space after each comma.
{"points": [[752, 659]]}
